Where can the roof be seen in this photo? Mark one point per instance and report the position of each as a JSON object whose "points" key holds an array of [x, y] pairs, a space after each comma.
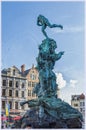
{"points": [[8, 70], [82, 96], [4, 71], [78, 97], [15, 68], [25, 72]]}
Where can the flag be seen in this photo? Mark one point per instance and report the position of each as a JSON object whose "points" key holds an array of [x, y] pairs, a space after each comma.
{"points": [[7, 109]]}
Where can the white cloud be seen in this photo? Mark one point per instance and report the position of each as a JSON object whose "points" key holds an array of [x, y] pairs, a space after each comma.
{"points": [[73, 83], [68, 29], [60, 80]]}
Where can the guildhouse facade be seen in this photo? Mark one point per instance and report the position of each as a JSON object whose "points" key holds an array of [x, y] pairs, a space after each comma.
{"points": [[17, 86], [78, 102], [32, 79], [14, 90]]}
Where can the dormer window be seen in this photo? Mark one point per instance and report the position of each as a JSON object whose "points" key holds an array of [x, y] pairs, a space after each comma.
{"points": [[13, 72]]}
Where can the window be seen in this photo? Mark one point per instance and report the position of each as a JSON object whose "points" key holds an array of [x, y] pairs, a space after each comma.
{"points": [[17, 84], [10, 83], [29, 84], [10, 102], [16, 105], [4, 82], [22, 107], [82, 103], [3, 104], [76, 105], [22, 85], [81, 109], [13, 72], [3, 92], [22, 93], [29, 92], [10, 93], [33, 84], [33, 94], [16, 93], [32, 76]]}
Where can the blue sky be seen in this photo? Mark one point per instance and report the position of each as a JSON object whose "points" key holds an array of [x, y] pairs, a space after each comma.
{"points": [[21, 37]]}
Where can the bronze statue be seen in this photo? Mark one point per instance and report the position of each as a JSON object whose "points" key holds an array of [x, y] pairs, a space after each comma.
{"points": [[43, 21], [50, 107]]}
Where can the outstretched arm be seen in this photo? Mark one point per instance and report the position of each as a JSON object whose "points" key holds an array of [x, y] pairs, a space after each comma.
{"points": [[59, 55], [60, 26], [55, 25]]}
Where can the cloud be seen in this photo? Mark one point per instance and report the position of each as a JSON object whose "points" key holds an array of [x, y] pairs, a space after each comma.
{"points": [[73, 83], [60, 80], [68, 29]]}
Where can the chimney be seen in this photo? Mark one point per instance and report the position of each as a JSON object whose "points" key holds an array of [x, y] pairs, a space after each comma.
{"points": [[23, 68], [32, 66]]}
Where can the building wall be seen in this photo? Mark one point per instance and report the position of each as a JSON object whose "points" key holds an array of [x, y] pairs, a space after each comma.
{"points": [[14, 88], [32, 79], [75, 104], [78, 102], [82, 107]]}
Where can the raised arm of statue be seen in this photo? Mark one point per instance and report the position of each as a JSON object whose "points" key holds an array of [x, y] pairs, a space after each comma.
{"points": [[42, 21], [59, 55]]}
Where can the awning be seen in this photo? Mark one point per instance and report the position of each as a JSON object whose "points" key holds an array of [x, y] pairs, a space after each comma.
{"points": [[17, 118], [4, 118]]}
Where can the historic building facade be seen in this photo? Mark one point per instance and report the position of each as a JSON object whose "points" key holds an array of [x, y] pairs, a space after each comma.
{"points": [[14, 90], [32, 79], [17, 86], [78, 102]]}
